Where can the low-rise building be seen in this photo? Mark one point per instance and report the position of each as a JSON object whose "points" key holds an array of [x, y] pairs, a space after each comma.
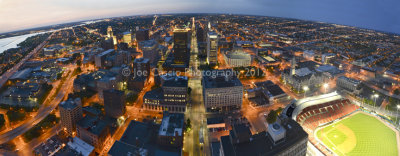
{"points": [[171, 130]]}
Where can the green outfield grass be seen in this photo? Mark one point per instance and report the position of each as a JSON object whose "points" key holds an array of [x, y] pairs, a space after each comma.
{"points": [[359, 134]]}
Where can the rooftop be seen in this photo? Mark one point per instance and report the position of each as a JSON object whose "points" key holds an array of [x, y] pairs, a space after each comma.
{"points": [[172, 124], [93, 124], [220, 79], [81, 146]]}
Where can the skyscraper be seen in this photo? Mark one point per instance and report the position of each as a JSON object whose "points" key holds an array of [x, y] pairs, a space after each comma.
{"points": [[109, 32], [212, 47], [142, 35], [181, 42], [70, 114], [114, 103]]}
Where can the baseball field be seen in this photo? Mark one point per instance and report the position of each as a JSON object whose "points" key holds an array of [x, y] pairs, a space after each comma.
{"points": [[359, 134]]}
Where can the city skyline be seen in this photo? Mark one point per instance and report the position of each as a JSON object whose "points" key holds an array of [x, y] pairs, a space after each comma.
{"points": [[19, 15]]}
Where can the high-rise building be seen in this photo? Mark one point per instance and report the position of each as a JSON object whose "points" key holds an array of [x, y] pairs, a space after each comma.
{"points": [[70, 114], [150, 50], [181, 42], [114, 103], [172, 96], [127, 37], [141, 67], [142, 35], [212, 47], [109, 32], [222, 91]]}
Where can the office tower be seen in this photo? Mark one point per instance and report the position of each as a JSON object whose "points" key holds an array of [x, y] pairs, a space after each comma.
{"points": [[109, 32], [212, 47], [114, 103], [181, 42], [142, 35], [150, 50], [127, 37], [141, 67], [172, 96], [70, 114], [222, 91]]}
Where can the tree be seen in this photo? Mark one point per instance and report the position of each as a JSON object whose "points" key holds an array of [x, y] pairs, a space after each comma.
{"points": [[271, 118], [396, 91], [188, 125]]}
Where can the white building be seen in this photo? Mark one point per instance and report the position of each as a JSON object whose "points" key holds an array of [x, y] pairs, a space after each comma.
{"points": [[222, 91], [237, 59]]}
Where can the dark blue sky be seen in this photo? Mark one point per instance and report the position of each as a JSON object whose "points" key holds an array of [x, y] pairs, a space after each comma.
{"points": [[374, 14]]}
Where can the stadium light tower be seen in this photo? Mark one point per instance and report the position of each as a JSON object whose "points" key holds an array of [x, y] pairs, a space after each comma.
{"points": [[305, 88], [397, 114], [326, 85], [375, 96]]}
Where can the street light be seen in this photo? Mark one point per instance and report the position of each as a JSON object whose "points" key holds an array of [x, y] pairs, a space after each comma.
{"points": [[326, 86], [305, 88]]}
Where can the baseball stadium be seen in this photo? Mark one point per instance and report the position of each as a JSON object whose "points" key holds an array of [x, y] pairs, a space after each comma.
{"points": [[338, 127]]}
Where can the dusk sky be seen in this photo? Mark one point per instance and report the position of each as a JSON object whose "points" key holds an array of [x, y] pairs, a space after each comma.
{"points": [[374, 14]]}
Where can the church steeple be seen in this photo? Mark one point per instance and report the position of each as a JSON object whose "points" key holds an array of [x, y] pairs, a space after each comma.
{"points": [[293, 66]]}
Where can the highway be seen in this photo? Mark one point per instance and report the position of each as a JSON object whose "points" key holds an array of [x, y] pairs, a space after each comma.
{"points": [[45, 110]]}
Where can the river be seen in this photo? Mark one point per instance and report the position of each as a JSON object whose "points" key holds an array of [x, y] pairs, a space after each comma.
{"points": [[12, 42]]}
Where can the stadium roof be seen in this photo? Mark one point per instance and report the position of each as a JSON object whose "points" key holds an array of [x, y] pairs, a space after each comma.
{"points": [[314, 100]]}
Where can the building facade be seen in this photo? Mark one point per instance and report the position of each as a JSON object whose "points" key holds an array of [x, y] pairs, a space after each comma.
{"points": [[114, 103], [222, 91], [70, 114], [212, 47], [237, 59]]}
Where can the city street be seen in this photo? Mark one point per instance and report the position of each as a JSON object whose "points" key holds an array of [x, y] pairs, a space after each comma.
{"points": [[196, 140]]}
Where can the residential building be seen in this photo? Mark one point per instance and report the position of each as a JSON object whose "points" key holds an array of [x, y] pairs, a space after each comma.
{"points": [[70, 114]]}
